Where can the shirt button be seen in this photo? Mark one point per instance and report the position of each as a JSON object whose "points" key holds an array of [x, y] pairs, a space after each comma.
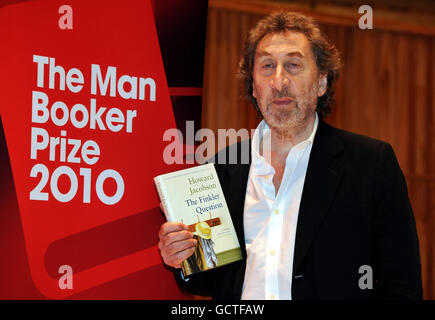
{"points": [[276, 211], [272, 252], [266, 177], [272, 297]]}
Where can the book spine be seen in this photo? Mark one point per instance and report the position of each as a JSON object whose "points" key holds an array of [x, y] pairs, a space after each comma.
{"points": [[163, 198]]}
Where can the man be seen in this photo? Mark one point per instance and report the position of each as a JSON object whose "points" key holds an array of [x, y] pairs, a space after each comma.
{"points": [[322, 213]]}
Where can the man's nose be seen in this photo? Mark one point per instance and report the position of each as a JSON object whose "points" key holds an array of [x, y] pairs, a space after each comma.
{"points": [[280, 79]]}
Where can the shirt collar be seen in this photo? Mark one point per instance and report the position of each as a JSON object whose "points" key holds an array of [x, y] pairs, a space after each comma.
{"points": [[313, 133]]}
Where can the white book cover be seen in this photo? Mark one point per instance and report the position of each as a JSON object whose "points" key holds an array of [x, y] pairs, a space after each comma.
{"points": [[194, 197]]}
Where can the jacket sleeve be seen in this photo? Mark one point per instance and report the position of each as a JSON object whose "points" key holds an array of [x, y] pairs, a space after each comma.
{"points": [[397, 268], [198, 284]]}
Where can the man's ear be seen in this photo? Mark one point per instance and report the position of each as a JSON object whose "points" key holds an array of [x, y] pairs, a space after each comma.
{"points": [[323, 84]]}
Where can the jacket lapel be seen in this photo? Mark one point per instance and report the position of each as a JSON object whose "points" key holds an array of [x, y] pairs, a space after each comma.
{"points": [[321, 181], [236, 182]]}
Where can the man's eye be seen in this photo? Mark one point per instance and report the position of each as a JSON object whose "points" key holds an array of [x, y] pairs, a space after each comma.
{"points": [[294, 67], [268, 65]]}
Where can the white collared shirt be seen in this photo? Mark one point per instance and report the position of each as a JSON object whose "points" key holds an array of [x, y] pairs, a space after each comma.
{"points": [[270, 219]]}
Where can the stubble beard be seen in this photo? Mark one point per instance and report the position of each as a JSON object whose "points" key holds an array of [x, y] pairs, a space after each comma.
{"points": [[292, 116]]}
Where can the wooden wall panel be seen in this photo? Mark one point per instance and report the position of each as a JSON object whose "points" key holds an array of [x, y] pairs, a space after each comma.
{"points": [[386, 91]]}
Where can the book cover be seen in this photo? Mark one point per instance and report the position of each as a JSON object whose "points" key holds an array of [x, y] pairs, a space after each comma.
{"points": [[194, 197]]}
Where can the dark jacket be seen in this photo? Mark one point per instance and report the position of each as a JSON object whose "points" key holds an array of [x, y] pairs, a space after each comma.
{"points": [[354, 212]]}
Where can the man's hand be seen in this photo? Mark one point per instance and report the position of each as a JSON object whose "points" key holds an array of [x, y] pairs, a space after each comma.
{"points": [[176, 244]]}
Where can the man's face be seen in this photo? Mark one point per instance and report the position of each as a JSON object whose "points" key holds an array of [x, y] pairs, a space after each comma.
{"points": [[286, 80]]}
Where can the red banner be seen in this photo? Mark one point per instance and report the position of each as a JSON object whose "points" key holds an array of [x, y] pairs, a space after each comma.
{"points": [[84, 105]]}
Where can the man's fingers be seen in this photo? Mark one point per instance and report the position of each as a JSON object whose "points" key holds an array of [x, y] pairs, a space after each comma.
{"points": [[174, 248], [169, 227], [176, 259], [176, 243], [183, 255], [173, 237]]}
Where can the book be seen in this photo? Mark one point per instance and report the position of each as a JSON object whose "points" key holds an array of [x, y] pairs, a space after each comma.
{"points": [[194, 197]]}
